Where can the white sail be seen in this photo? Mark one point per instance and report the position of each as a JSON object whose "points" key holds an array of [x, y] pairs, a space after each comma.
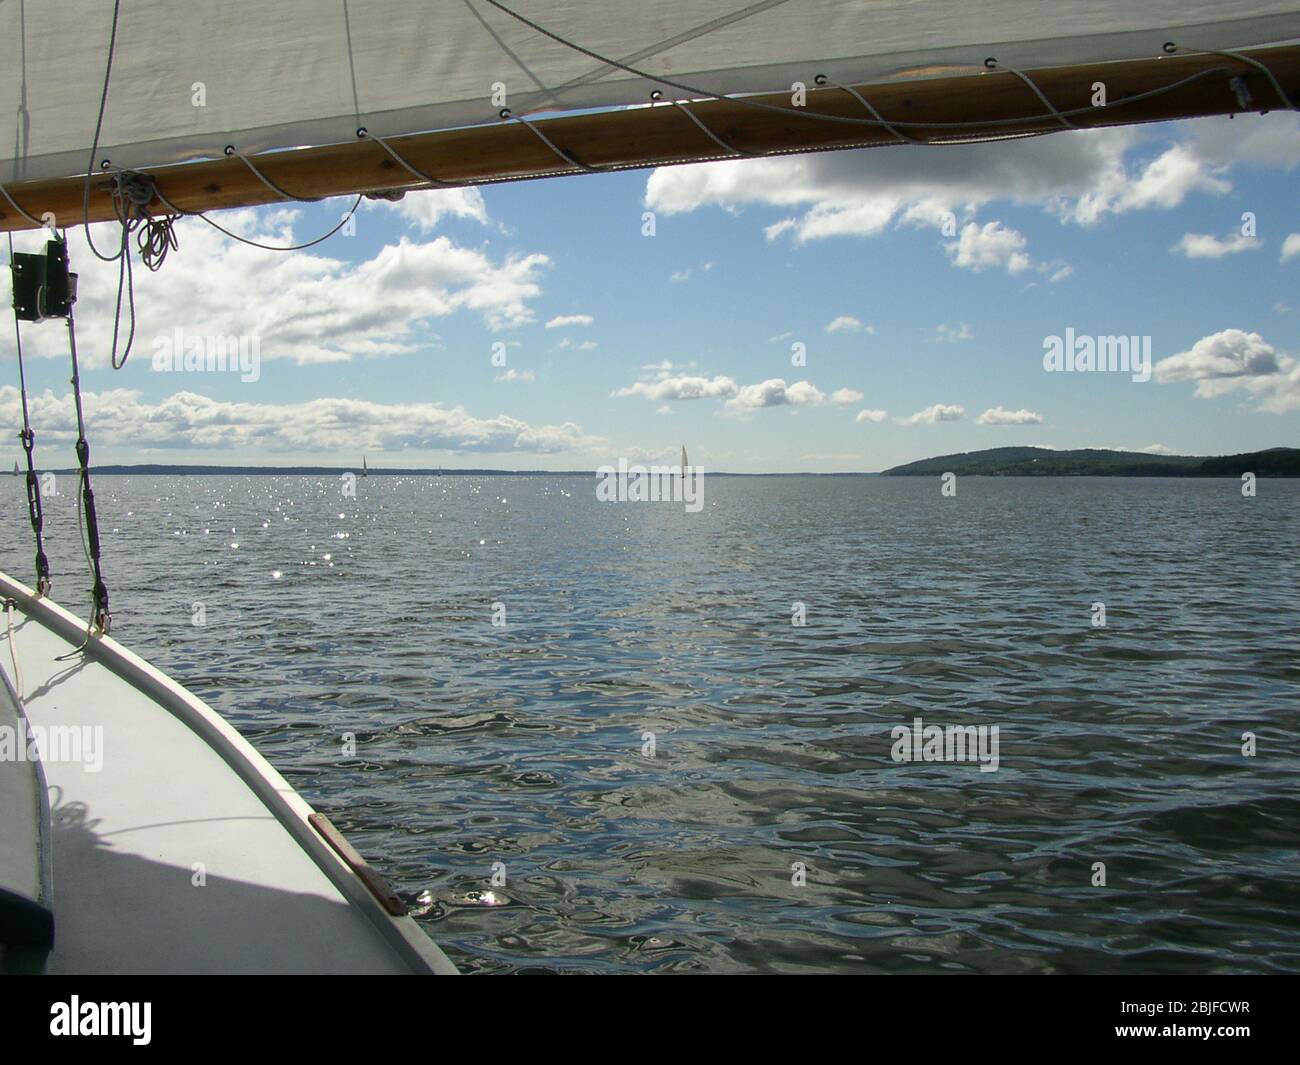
{"points": [[189, 79]]}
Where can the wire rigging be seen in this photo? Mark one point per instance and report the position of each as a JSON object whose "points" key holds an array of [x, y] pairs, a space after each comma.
{"points": [[433, 182], [253, 243], [99, 129], [28, 437], [903, 138], [101, 619], [15, 205]]}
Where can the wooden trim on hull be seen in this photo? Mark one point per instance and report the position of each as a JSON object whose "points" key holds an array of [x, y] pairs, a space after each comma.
{"points": [[662, 135]]}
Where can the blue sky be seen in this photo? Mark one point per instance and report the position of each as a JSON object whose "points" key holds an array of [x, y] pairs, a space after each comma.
{"points": [[382, 342]]}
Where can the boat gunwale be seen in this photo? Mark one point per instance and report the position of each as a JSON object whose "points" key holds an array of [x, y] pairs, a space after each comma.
{"points": [[402, 934], [45, 836]]}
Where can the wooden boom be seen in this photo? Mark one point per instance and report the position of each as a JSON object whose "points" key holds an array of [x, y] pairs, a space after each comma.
{"points": [[632, 138]]}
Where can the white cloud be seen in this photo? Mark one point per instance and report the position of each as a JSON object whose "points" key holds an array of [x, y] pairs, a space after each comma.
{"points": [[780, 336], [563, 320], [1002, 416], [188, 421], [689, 272], [1230, 353], [665, 367], [990, 245], [427, 207], [682, 388], [777, 228], [862, 193], [667, 386], [950, 334], [1165, 182], [871, 416], [306, 307], [512, 375], [1291, 246], [1207, 246], [1080, 177], [1265, 141], [1234, 360], [939, 412], [774, 392], [846, 323]]}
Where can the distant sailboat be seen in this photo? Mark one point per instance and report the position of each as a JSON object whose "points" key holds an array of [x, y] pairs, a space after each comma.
{"points": [[15, 469], [684, 462], [364, 472]]}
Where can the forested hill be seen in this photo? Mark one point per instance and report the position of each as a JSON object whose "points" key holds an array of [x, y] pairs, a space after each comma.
{"points": [[1093, 462]]}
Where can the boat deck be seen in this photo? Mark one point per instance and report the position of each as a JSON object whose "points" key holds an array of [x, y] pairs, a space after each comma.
{"points": [[176, 847]]}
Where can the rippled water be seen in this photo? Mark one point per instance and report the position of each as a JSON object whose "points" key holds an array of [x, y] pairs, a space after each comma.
{"points": [[524, 744]]}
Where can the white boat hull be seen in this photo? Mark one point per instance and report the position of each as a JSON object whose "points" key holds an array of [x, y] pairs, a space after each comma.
{"points": [[183, 851]]}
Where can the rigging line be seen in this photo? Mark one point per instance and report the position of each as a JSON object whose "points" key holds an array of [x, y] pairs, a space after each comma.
{"points": [[822, 79], [154, 239], [1171, 48], [713, 136], [759, 105], [252, 243], [155, 236], [131, 196], [230, 150], [94, 144], [100, 616], [993, 64], [365, 134], [131, 206], [505, 113], [14, 204], [35, 511], [18, 341]]}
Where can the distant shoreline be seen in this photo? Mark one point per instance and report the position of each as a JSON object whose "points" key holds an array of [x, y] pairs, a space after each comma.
{"points": [[993, 462], [149, 469], [1099, 462]]}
